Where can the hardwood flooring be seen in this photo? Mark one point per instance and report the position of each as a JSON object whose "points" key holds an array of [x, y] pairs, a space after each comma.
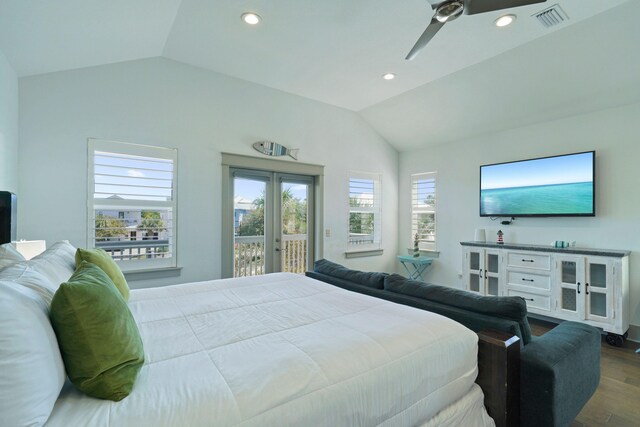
{"points": [[616, 402]]}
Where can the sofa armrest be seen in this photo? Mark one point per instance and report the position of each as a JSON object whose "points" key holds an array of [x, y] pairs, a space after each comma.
{"points": [[559, 373]]}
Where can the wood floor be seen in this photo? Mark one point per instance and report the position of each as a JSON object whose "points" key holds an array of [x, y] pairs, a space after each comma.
{"points": [[616, 402]]}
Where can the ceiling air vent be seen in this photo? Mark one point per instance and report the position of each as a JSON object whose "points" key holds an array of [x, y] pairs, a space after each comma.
{"points": [[551, 16]]}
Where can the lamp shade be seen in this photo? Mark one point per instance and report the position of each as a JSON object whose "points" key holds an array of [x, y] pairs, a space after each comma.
{"points": [[30, 248]]}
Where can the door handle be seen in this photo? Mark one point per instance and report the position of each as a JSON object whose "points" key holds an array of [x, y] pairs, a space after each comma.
{"points": [[480, 273], [578, 287], [586, 288]]}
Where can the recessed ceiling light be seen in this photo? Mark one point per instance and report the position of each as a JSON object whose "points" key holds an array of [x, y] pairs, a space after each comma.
{"points": [[389, 76], [505, 20], [251, 18]]}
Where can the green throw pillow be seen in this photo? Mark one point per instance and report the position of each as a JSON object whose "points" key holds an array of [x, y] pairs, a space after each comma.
{"points": [[98, 337], [103, 260]]}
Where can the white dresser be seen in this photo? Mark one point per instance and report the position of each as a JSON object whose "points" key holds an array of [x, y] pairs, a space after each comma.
{"points": [[584, 285]]}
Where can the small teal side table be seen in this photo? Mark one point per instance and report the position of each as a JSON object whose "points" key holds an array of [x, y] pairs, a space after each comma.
{"points": [[415, 266]]}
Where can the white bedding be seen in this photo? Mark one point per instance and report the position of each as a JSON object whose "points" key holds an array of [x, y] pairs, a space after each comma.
{"points": [[283, 350]]}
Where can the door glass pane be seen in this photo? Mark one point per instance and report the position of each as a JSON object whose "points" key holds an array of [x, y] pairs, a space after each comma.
{"points": [[598, 304], [248, 217], [569, 272], [569, 299], [474, 282], [493, 286], [474, 261], [294, 209], [492, 261], [598, 275]]}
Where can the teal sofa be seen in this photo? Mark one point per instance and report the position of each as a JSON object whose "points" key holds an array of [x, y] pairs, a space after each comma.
{"points": [[559, 371]]}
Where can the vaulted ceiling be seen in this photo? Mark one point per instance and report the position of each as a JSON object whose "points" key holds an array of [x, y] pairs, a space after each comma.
{"points": [[472, 78]]}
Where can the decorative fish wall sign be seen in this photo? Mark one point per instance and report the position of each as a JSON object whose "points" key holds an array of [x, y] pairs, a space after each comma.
{"points": [[269, 148]]}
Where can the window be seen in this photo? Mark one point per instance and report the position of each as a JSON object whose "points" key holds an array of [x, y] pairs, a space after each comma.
{"points": [[364, 211], [132, 203], [423, 210]]}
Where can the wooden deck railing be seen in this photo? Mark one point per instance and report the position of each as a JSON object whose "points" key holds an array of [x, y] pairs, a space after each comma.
{"points": [[249, 256]]}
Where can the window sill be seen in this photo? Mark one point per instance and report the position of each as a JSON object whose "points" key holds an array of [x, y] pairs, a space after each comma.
{"points": [[363, 253], [426, 252], [152, 273]]}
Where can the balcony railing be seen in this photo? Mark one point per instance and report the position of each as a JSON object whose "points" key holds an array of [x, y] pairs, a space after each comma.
{"points": [[249, 254], [125, 250]]}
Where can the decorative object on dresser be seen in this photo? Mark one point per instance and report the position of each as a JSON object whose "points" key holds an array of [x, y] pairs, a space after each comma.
{"points": [[585, 285], [480, 235]]}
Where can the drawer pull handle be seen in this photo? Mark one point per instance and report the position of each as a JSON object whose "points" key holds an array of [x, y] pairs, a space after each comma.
{"points": [[529, 299], [578, 287], [527, 280], [527, 260]]}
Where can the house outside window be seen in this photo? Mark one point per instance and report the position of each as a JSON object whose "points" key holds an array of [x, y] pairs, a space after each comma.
{"points": [[365, 226], [132, 203], [423, 210]]}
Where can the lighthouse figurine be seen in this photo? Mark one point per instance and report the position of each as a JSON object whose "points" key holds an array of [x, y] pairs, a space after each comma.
{"points": [[500, 241]]}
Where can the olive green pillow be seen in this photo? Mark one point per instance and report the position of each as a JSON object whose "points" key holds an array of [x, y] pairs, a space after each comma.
{"points": [[103, 260], [98, 337]]}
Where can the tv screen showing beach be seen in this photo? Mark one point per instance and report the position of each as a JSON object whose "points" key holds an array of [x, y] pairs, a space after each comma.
{"points": [[561, 185]]}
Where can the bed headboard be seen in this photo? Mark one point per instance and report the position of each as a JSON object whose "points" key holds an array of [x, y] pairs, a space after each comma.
{"points": [[8, 217]]}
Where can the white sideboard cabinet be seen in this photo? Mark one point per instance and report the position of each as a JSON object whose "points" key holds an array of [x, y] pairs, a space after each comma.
{"points": [[584, 285]]}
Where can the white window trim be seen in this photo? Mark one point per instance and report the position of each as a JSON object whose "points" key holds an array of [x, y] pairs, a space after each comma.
{"points": [[424, 246], [374, 248], [137, 150]]}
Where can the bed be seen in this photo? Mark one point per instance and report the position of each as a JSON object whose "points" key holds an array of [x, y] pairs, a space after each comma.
{"points": [[287, 350]]}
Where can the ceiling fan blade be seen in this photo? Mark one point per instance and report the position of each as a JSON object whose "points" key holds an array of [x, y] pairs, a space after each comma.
{"points": [[473, 7], [433, 27]]}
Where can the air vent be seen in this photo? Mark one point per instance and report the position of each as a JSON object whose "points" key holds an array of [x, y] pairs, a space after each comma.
{"points": [[552, 16]]}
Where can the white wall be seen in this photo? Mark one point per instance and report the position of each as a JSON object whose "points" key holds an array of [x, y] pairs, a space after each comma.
{"points": [[613, 133], [166, 103], [8, 127]]}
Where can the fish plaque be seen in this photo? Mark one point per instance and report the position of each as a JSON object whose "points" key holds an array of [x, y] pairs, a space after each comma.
{"points": [[269, 148]]}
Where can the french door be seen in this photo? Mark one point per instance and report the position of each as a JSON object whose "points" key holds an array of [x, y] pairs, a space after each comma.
{"points": [[272, 222]]}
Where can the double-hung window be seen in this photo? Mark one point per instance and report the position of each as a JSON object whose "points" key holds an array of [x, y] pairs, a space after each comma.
{"points": [[364, 211], [132, 203], [423, 210]]}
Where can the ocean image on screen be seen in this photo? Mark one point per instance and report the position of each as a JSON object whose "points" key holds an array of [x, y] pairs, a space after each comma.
{"points": [[553, 186]]}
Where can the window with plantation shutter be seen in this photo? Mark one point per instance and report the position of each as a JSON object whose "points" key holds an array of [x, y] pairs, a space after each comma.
{"points": [[423, 210], [364, 211], [132, 203]]}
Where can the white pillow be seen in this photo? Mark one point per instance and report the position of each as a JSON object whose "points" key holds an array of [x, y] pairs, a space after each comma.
{"points": [[44, 273], [31, 368], [22, 273], [9, 255], [57, 263]]}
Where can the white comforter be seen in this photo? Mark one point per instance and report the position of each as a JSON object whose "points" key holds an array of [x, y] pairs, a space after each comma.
{"points": [[282, 350]]}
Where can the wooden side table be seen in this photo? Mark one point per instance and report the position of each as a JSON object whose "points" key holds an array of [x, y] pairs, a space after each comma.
{"points": [[415, 266]]}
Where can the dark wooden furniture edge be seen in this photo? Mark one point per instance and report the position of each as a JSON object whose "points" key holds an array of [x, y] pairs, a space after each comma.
{"points": [[499, 376]]}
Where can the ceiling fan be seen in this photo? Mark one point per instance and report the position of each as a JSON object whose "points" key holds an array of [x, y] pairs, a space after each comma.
{"points": [[449, 10]]}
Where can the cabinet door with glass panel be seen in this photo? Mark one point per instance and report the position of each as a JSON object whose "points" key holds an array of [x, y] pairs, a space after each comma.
{"points": [[598, 290], [481, 271], [585, 289], [570, 278]]}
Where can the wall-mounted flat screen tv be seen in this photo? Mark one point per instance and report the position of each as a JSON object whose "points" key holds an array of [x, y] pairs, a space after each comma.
{"points": [[549, 186]]}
